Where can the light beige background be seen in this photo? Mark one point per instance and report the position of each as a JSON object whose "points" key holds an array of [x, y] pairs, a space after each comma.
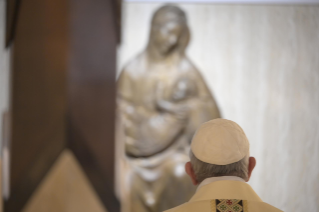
{"points": [[262, 64]]}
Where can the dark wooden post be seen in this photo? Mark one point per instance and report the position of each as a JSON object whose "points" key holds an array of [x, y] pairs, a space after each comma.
{"points": [[63, 93], [38, 107], [91, 93]]}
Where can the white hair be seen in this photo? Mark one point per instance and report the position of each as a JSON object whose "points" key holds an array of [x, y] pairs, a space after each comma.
{"points": [[204, 170]]}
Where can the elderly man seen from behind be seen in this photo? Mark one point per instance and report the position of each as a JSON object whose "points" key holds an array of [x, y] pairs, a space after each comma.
{"points": [[220, 165]]}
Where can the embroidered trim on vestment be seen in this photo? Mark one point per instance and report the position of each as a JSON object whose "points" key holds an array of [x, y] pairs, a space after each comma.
{"points": [[229, 205]]}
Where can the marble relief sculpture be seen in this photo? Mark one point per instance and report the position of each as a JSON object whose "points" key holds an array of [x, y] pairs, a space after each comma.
{"points": [[162, 99]]}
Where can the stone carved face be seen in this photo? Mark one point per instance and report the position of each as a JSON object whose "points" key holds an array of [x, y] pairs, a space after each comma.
{"points": [[166, 36], [169, 31]]}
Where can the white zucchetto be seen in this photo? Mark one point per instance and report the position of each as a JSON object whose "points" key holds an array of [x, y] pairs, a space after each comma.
{"points": [[220, 142]]}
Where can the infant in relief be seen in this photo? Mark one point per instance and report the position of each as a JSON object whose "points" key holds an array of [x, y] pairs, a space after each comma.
{"points": [[177, 104], [160, 130]]}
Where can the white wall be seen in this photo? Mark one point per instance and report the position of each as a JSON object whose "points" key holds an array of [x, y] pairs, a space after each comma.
{"points": [[4, 68], [262, 64]]}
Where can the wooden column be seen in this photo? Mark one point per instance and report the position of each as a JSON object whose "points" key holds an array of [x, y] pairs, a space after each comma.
{"points": [[63, 94], [38, 95], [91, 93]]}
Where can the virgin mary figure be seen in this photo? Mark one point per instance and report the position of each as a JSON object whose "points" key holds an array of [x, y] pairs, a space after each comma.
{"points": [[162, 99]]}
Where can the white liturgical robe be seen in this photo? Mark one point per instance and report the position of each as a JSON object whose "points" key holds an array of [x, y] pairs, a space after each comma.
{"points": [[224, 194]]}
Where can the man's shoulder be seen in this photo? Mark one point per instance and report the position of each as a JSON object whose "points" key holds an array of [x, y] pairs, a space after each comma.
{"points": [[202, 206], [261, 206], [225, 205]]}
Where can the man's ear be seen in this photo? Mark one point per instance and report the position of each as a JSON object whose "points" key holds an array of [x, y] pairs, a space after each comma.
{"points": [[251, 166], [189, 170]]}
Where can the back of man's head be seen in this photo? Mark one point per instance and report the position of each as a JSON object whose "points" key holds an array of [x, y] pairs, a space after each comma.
{"points": [[220, 148], [204, 170]]}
